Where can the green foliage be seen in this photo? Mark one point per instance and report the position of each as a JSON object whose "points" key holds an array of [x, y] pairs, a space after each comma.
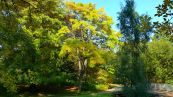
{"points": [[7, 83], [102, 87], [82, 36], [29, 44], [159, 60], [164, 28], [53, 42], [88, 23], [169, 81], [88, 86], [104, 76], [86, 50], [136, 32], [43, 41]]}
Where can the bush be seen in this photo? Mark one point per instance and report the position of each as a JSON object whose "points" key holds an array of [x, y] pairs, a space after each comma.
{"points": [[102, 87], [88, 86], [169, 82], [7, 83], [2, 90]]}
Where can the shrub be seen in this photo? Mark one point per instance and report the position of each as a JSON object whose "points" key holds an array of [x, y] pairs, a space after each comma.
{"points": [[7, 83], [88, 86], [102, 87]]}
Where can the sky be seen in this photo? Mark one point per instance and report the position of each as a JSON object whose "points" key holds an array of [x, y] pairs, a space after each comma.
{"points": [[112, 7]]}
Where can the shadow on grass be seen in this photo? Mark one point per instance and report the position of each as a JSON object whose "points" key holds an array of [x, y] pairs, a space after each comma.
{"points": [[67, 94], [69, 91]]}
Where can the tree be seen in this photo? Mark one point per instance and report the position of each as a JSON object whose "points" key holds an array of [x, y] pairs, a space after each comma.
{"points": [[29, 44], [84, 54], [136, 32], [160, 48], [41, 23], [8, 39], [37, 35], [159, 61], [165, 28], [86, 32]]}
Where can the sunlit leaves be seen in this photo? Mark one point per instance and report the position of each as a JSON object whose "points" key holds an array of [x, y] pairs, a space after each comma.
{"points": [[84, 20], [159, 60], [86, 50], [8, 81], [39, 36], [164, 11], [31, 42]]}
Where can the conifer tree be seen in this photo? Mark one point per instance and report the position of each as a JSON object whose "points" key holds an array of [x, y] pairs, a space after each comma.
{"points": [[136, 31]]}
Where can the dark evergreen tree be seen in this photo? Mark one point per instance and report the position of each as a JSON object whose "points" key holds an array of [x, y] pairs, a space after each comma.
{"points": [[136, 32]]}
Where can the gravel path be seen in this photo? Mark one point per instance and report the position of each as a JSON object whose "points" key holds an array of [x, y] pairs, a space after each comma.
{"points": [[160, 93], [164, 93]]}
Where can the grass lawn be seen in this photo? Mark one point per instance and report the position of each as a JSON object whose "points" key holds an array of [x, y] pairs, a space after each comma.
{"points": [[85, 95], [68, 94]]}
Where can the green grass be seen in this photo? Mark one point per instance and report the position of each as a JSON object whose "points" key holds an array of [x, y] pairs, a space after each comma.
{"points": [[83, 95], [68, 94], [65, 93]]}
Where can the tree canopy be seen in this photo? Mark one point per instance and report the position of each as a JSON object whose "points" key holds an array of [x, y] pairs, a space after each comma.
{"points": [[60, 43]]}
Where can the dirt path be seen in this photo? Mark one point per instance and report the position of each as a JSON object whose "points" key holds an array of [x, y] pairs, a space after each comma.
{"points": [[164, 93], [160, 93]]}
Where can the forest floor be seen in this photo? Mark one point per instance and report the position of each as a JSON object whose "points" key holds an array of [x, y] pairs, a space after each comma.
{"points": [[72, 92]]}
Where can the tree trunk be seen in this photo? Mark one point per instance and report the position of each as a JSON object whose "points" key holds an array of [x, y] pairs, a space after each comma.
{"points": [[79, 72], [85, 69], [80, 75]]}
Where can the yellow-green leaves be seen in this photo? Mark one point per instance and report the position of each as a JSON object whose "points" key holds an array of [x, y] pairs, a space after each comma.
{"points": [[82, 25], [88, 29], [77, 50], [87, 22], [113, 41], [62, 31], [46, 34]]}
